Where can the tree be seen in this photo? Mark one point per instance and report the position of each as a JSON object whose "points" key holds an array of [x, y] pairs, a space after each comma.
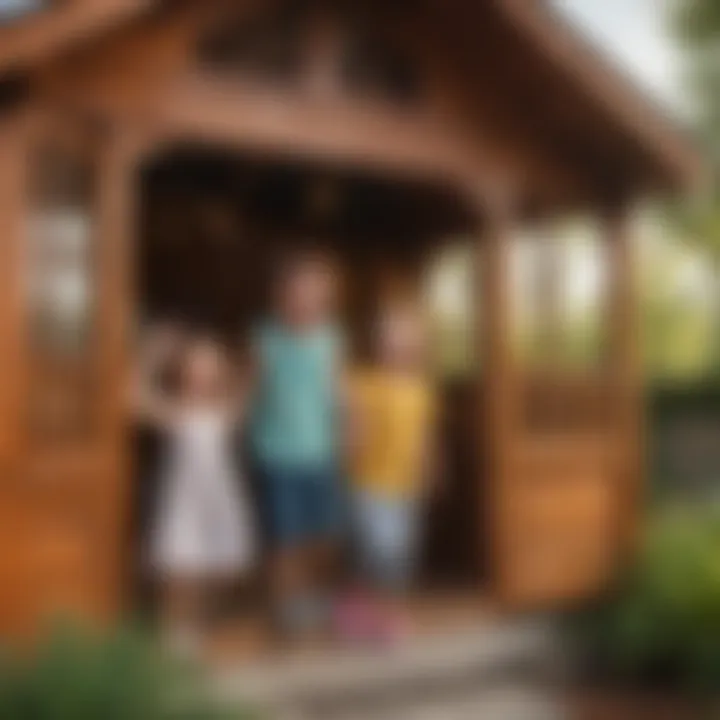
{"points": [[696, 26]]}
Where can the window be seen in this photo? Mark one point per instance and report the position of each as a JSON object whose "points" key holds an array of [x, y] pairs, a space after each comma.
{"points": [[266, 47], [292, 44], [452, 303], [60, 287], [559, 287], [559, 278]]}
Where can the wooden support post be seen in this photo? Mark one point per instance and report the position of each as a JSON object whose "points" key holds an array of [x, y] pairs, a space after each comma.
{"points": [[119, 156], [14, 180], [625, 370], [116, 225], [496, 381]]}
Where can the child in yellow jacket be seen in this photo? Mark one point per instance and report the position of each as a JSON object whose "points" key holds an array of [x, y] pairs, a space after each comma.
{"points": [[392, 408]]}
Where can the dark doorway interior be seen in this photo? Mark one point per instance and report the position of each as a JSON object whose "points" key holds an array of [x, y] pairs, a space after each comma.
{"points": [[212, 226]]}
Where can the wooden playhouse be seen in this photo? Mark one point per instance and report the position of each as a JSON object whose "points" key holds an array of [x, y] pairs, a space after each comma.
{"points": [[126, 125]]}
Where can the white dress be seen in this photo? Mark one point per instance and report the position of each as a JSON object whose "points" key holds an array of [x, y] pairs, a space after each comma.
{"points": [[204, 524]]}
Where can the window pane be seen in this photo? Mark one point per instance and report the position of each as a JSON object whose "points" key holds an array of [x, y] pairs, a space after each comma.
{"points": [[60, 286], [452, 301], [61, 280], [560, 326], [559, 284]]}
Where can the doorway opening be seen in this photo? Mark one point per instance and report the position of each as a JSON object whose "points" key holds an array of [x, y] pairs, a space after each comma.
{"points": [[212, 227]]}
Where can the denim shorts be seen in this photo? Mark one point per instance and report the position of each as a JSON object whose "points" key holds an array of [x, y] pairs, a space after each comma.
{"points": [[387, 534], [300, 504]]}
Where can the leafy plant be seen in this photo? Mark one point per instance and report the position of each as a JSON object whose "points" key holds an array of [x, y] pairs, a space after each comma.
{"points": [[661, 625], [80, 676]]}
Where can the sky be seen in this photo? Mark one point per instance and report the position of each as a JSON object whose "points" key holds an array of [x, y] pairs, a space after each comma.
{"points": [[634, 34], [12, 8]]}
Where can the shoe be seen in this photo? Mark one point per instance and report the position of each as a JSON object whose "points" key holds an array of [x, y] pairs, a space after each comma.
{"points": [[391, 628], [354, 619]]}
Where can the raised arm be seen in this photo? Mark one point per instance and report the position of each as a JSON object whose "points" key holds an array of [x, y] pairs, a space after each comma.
{"points": [[150, 403]]}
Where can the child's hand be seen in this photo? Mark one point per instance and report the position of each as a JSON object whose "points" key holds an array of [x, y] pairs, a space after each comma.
{"points": [[161, 342]]}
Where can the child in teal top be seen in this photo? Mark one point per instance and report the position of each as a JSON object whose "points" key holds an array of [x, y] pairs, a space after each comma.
{"points": [[295, 434]]}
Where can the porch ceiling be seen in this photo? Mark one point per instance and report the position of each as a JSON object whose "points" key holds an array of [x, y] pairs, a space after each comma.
{"points": [[297, 195]]}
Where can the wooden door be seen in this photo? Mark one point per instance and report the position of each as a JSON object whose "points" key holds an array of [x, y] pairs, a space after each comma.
{"points": [[560, 505], [563, 448], [63, 408]]}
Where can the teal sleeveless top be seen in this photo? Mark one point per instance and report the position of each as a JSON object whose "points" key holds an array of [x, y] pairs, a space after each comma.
{"points": [[294, 410]]}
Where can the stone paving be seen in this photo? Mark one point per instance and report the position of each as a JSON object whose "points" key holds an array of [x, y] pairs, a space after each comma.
{"points": [[501, 671]]}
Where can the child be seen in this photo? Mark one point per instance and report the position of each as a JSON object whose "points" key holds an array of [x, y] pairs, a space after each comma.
{"points": [[294, 438], [203, 531], [391, 407]]}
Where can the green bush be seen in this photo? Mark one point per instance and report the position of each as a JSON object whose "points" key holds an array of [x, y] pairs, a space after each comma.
{"points": [[80, 676], [661, 625]]}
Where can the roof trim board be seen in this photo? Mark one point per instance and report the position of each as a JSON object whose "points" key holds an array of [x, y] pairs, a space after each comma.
{"points": [[668, 147], [621, 100]]}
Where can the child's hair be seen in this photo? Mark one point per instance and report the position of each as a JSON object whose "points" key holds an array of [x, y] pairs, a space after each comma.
{"points": [[305, 256], [195, 339], [408, 306]]}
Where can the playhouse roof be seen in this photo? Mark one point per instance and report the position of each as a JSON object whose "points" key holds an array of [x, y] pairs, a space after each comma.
{"points": [[583, 106]]}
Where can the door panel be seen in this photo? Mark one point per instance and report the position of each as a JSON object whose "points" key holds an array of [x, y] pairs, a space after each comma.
{"points": [[66, 487], [559, 503], [563, 504], [560, 442]]}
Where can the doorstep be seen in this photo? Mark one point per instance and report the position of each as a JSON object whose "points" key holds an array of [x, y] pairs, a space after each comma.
{"points": [[496, 669]]}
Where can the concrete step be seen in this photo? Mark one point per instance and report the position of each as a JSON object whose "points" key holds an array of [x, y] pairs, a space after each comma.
{"points": [[506, 702], [500, 666]]}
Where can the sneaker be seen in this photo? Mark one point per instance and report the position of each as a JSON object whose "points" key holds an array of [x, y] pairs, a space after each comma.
{"points": [[354, 619], [391, 628]]}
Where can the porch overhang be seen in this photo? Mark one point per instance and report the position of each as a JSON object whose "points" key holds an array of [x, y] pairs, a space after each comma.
{"points": [[625, 107], [566, 100]]}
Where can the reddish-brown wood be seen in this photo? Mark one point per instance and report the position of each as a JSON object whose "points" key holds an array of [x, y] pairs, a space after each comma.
{"points": [[573, 86], [626, 367], [556, 490], [118, 228], [13, 199], [498, 381], [504, 129], [64, 494], [62, 26], [12, 208]]}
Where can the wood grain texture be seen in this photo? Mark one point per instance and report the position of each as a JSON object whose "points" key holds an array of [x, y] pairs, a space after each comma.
{"points": [[485, 138]]}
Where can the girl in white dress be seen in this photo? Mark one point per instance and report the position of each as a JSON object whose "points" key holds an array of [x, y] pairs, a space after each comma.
{"points": [[203, 533]]}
